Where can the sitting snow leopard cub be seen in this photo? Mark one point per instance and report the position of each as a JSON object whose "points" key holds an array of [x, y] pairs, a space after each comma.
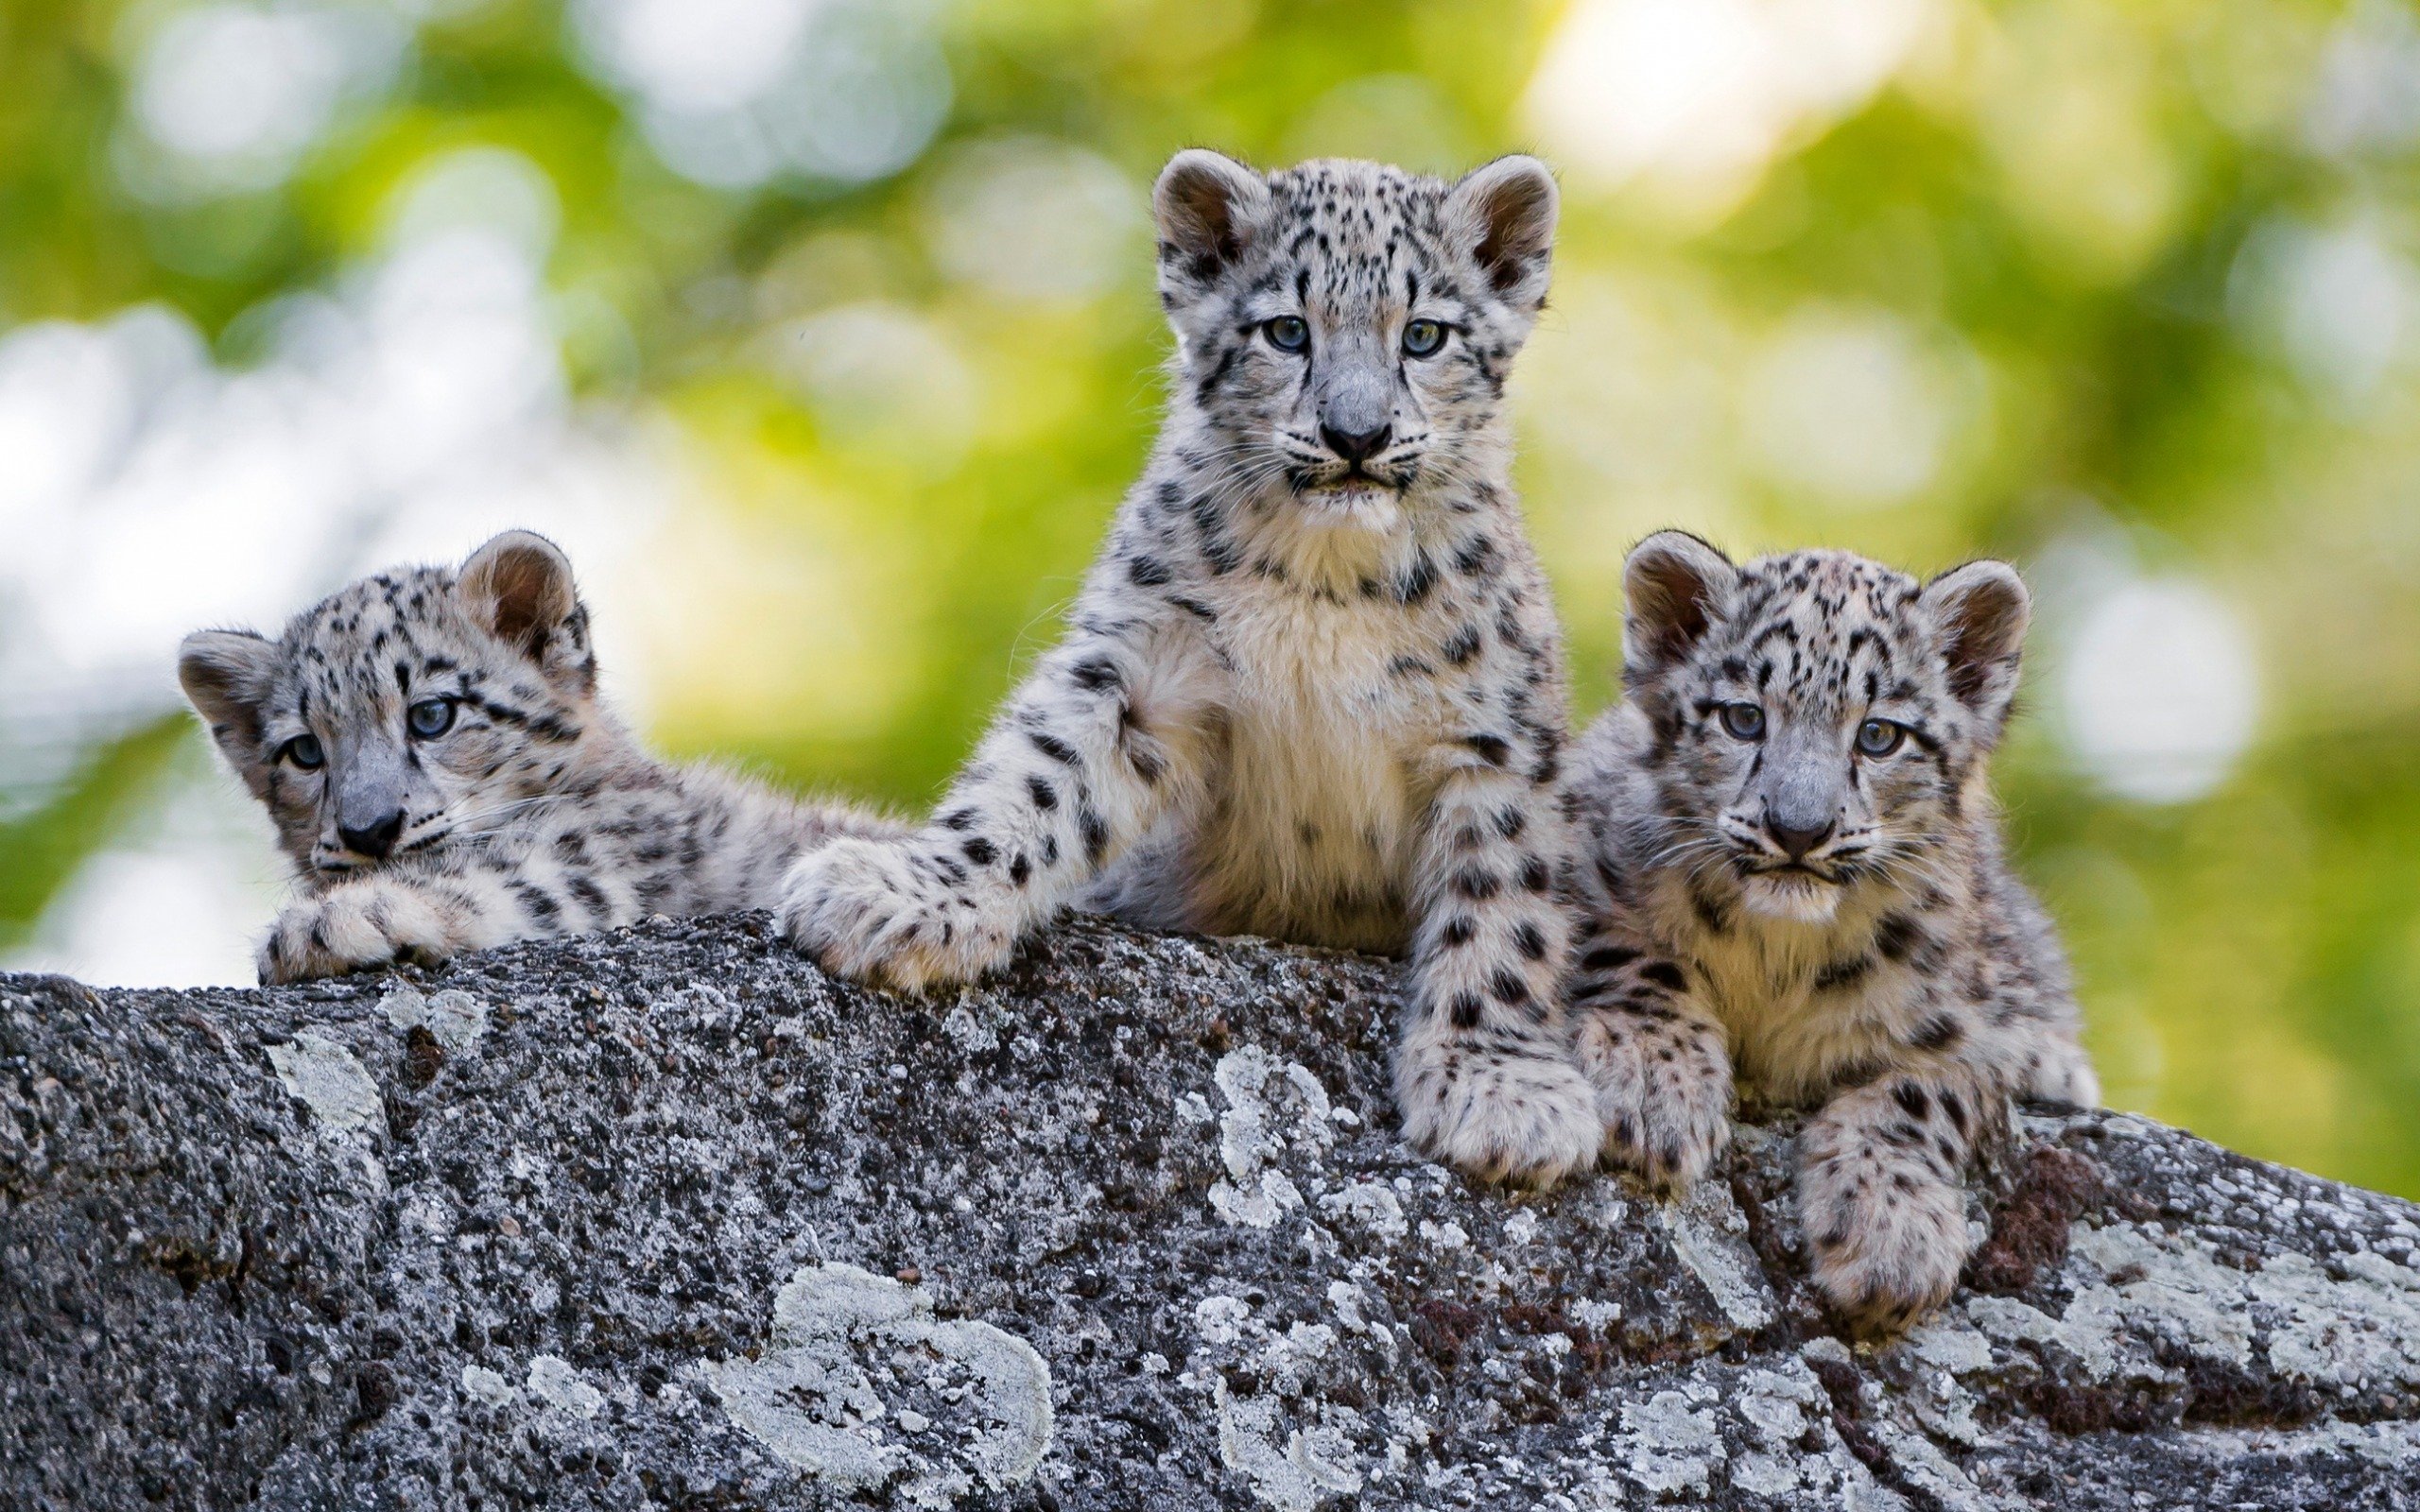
{"points": [[431, 748], [1312, 688], [1796, 876]]}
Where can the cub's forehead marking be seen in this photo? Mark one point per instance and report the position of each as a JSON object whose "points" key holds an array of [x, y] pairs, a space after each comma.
{"points": [[1359, 233], [370, 641], [1822, 626]]}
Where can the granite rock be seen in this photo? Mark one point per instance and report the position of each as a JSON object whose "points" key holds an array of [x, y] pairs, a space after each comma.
{"points": [[668, 1219]]}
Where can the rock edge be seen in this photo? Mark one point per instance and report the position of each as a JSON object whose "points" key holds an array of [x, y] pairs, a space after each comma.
{"points": [[667, 1218]]}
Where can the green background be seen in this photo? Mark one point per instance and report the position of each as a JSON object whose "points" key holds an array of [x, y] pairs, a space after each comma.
{"points": [[2118, 290]]}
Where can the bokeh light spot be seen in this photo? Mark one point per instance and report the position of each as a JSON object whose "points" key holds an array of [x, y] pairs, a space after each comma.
{"points": [[1698, 95], [1036, 219], [233, 94], [1848, 405], [2160, 692]]}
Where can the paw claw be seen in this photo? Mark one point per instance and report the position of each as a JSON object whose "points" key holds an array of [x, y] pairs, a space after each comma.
{"points": [[866, 910], [1666, 1122], [1887, 1256], [1522, 1121]]}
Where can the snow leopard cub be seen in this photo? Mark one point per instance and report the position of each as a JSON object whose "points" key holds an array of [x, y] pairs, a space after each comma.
{"points": [[431, 748], [1312, 688], [1796, 876]]}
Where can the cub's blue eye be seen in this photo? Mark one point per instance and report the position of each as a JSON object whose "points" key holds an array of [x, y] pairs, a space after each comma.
{"points": [[430, 717], [1287, 333], [1743, 721], [1880, 737], [304, 753], [1422, 338]]}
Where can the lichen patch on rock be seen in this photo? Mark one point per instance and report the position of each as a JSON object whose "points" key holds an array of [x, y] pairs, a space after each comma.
{"points": [[457, 1021], [847, 1348], [555, 1382], [1708, 1232], [1273, 1107], [329, 1079]]}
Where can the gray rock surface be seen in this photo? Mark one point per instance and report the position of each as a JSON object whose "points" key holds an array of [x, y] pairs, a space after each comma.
{"points": [[668, 1219]]}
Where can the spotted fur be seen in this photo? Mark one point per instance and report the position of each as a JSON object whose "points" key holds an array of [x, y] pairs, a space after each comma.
{"points": [[530, 813], [1312, 689], [1835, 924]]}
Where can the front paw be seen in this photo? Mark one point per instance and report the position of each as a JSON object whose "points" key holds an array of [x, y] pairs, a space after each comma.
{"points": [[1501, 1113], [353, 929], [1886, 1250], [1664, 1098], [887, 913]]}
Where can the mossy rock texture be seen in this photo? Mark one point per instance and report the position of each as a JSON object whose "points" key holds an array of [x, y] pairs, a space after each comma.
{"points": [[668, 1219]]}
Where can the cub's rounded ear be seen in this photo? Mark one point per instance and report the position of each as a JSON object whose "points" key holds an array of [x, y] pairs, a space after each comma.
{"points": [[1207, 207], [1506, 212], [518, 587], [228, 677], [1673, 586], [1982, 610]]}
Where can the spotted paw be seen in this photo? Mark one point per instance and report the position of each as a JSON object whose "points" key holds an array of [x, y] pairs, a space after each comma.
{"points": [[1663, 1096], [887, 913], [1521, 1115], [1887, 1251], [354, 928]]}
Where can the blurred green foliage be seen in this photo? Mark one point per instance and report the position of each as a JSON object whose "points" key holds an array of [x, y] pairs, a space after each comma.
{"points": [[43, 846], [2087, 246]]}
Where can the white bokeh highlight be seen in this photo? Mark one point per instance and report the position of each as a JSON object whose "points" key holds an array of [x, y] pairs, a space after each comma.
{"points": [[230, 96], [488, 189], [1700, 95], [2337, 302], [2367, 97], [1034, 219], [1847, 407], [696, 56], [882, 380], [735, 93], [2159, 690]]}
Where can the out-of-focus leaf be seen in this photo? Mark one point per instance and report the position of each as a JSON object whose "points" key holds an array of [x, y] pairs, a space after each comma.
{"points": [[41, 849]]}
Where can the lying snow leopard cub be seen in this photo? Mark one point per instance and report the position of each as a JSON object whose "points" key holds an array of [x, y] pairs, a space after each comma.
{"points": [[1312, 688], [431, 748], [1796, 875]]}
